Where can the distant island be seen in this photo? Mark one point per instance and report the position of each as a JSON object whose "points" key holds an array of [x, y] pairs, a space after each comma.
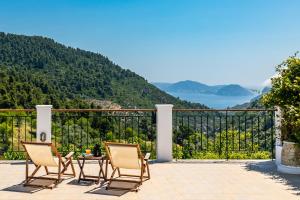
{"points": [[215, 96], [197, 87]]}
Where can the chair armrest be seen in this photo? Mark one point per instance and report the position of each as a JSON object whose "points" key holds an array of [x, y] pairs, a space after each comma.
{"points": [[69, 155], [147, 156]]}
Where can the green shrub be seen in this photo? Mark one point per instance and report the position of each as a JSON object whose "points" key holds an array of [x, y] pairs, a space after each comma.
{"points": [[205, 155], [261, 155], [177, 151], [285, 94], [11, 155]]}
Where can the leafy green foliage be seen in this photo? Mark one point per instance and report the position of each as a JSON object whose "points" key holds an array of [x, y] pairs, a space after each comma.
{"points": [[37, 70], [231, 145], [11, 155], [285, 93]]}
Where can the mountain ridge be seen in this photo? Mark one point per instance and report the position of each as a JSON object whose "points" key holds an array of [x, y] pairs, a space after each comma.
{"points": [[38, 70], [189, 86]]}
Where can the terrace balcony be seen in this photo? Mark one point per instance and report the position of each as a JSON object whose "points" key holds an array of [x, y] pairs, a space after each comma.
{"points": [[203, 148]]}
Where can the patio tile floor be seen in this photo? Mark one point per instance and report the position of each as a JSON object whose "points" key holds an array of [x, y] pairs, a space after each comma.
{"points": [[192, 179]]}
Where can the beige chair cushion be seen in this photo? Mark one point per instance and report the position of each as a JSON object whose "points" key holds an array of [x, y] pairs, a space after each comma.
{"points": [[125, 156], [41, 155]]}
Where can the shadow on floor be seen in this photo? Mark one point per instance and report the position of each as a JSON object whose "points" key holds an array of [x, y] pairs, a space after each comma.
{"points": [[126, 187], [81, 183], [269, 168], [22, 189], [40, 185]]}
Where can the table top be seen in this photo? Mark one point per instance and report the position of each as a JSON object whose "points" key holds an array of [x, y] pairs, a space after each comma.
{"points": [[91, 157]]}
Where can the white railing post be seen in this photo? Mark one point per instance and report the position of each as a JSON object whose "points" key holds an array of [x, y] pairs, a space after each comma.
{"points": [[278, 143], [43, 123], [164, 132]]}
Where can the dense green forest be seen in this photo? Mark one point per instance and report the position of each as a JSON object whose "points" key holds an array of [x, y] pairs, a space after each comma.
{"points": [[37, 70]]}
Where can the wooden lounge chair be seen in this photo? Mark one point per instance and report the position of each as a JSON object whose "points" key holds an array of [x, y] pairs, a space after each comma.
{"points": [[127, 156], [41, 154]]}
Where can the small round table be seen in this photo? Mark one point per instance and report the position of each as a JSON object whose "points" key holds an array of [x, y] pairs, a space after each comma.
{"points": [[83, 177]]}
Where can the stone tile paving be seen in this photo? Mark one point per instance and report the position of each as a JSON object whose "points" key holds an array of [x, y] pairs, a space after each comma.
{"points": [[193, 179]]}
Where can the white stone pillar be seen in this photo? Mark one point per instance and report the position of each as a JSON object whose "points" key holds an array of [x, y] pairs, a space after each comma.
{"points": [[278, 143], [43, 122], [164, 132]]}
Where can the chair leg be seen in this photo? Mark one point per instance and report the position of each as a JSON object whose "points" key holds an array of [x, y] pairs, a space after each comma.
{"points": [[65, 167], [148, 171], [142, 174], [119, 173], [46, 169], [36, 169], [73, 169], [27, 169], [28, 178], [59, 172], [111, 178]]}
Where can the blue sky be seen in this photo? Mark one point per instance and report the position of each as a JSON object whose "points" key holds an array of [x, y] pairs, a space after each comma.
{"points": [[215, 42]]}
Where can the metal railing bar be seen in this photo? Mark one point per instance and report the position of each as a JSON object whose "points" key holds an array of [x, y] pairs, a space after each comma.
{"points": [[17, 110], [221, 110], [103, 110], [136, 110]]}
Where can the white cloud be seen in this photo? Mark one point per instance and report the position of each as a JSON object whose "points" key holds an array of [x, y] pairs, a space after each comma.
{"points": [[268, 83]]}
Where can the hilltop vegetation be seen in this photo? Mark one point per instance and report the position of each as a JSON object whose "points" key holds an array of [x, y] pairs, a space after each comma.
{"points": [[37, 70]]}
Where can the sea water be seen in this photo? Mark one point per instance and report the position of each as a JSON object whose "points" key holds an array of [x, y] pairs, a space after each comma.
{"points": [[214, 101]]}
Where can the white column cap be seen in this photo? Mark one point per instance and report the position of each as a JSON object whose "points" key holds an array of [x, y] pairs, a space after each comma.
{"points": [[43, 106], [163, 105]]}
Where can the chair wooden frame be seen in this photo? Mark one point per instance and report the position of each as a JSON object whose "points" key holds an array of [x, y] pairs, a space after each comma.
{"points": [[144, 160], [62, 167]]}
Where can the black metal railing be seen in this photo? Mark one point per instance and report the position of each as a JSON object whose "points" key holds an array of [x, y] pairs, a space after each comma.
{"points": [[78, 129], [197, 133], [15, 126], [75, 130], [225, 134]]}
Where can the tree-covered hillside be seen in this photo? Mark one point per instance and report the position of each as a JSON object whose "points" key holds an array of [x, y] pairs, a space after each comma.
{"points": [[37, 70]]}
